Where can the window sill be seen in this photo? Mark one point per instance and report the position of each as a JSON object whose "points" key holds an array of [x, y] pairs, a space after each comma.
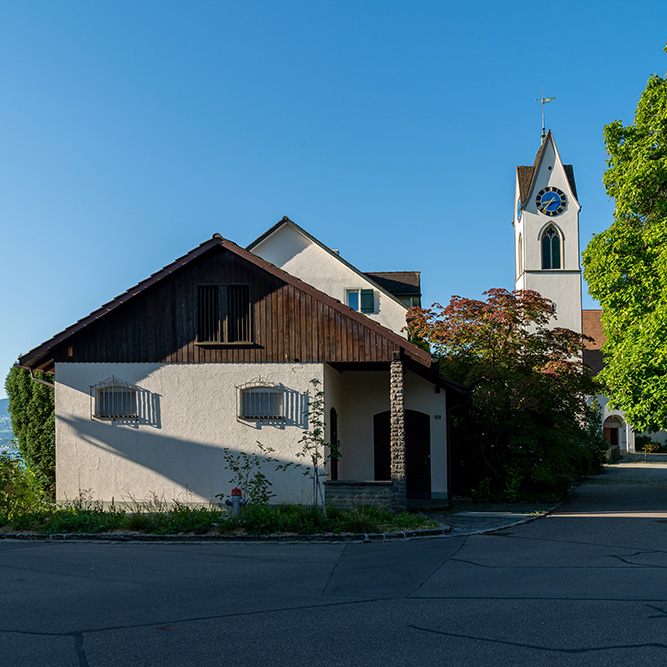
{"points": [[218, 344]]}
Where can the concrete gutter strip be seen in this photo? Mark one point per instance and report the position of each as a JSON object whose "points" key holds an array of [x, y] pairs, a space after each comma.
{"points": [[145, 537]]}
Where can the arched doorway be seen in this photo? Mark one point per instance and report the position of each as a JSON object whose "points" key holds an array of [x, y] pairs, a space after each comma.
{"points": [[613, 431], [417, 451]]}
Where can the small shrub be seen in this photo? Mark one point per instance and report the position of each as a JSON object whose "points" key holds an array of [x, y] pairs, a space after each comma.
{"points": [[136, 521], [364, 519], [513, 480], [483, 490], [75, 520], [19, 490], [649, 448], [412, 521], [246, 469]]}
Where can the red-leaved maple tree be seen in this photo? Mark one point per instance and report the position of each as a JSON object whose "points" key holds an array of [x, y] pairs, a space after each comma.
{"points": [[528, 421]]}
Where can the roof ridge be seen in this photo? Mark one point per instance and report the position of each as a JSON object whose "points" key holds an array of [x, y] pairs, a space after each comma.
{"points": [[336, 255], [413, 351]]}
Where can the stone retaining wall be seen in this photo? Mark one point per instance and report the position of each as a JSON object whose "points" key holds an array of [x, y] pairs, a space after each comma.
{"points": [[350, 494]]}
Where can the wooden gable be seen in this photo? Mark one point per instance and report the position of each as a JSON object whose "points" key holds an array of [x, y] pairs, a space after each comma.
{"points": [[157, 321]]}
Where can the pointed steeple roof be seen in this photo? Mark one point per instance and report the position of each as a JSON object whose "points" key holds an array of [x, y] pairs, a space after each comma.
{"points": [[526, 175]]}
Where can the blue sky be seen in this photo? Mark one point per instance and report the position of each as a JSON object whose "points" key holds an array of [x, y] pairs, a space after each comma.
{"points": [[130, 132]]}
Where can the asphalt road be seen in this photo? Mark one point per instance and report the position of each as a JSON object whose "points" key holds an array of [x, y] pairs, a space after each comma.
{"points": [[584, 586]]}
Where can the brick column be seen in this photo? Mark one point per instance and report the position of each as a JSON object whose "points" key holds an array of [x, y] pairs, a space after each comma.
{"points": [[398, 491]]}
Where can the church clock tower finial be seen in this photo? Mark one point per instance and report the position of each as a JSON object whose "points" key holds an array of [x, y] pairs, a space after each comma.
{"points": [[544, 100]]}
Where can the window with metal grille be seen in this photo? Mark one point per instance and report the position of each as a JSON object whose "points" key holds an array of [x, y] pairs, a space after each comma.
{"points": [[114, 399], [223, 314], [551, 248], [262, 403]]}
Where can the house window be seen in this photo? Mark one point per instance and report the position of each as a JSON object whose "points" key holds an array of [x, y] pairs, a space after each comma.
{"points": [[411, 301], [114, 399], [262, 402], [361, 299], [551, 248], [223, 314]]}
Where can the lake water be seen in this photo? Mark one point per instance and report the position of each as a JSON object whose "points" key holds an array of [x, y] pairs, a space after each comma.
{"points": [[12, 451]]}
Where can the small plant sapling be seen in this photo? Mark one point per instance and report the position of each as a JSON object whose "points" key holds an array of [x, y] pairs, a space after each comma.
{"points": [[316, 451], [246, 469], [649, 448]]}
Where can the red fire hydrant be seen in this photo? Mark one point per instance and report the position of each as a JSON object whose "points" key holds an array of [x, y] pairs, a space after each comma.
{"points": [[236, 501]]}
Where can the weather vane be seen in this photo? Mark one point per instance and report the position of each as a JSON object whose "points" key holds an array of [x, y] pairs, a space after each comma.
{"points": [[543, 100]]}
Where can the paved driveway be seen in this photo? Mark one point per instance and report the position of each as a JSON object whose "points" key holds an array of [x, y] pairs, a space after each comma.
{"points": [[584, 586]]}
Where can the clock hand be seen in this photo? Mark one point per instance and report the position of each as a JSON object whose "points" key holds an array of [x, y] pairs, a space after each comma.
{"points": [[546, 204]]}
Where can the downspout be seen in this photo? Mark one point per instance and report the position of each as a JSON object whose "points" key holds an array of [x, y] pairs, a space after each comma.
{"points": [[48, 384]]}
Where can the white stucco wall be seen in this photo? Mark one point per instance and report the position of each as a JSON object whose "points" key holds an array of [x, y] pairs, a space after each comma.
{"points": [[366, 393], [334, 398], [290, 250], [175, 450]]}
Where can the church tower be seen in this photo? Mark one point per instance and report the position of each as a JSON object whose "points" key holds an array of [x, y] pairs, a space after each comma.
{"points": [[546, 233]]}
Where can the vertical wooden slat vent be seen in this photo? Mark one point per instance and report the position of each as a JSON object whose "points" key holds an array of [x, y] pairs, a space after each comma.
{"points": [[238, 313], [208, 309]]}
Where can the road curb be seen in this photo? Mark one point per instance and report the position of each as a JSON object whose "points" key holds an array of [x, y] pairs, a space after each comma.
{"points": [[138, 537], [527, 519]]}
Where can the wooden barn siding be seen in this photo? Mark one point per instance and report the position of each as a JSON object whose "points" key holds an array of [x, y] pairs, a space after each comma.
{"points": [[159, 325]]}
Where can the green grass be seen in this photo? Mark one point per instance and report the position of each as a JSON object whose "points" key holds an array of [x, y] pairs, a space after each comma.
{"points": [[179, 519]]}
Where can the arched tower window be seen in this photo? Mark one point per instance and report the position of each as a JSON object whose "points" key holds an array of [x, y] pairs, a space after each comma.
{"points": [[551, 248], [520, 255]]}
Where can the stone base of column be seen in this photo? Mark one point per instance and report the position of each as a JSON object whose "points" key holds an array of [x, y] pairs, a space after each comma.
{"points": [[399, 496]]}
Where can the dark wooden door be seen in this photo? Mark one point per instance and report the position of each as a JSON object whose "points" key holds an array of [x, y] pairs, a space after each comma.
{"points": [[612, 436], [417, 451], [333, 426]]}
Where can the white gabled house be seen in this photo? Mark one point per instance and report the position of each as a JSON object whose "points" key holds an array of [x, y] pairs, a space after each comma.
{"points": [[384, 297], [217, 350]]}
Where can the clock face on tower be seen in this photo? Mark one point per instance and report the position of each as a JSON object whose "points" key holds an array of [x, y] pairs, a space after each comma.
{"points": [[551, 201]]}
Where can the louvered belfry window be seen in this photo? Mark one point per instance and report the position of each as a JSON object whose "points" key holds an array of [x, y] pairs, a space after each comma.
{"points": [[223, 314], [551, 249]]}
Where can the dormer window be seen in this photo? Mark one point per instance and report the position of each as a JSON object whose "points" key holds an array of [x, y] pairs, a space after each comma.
{"points": [[551, 248], [362, 300]]}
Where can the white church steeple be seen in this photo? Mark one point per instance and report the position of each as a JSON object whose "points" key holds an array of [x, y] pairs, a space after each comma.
{"points": [[546, 233]]}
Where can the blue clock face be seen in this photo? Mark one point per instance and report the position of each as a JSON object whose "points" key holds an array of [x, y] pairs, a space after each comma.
{"points": [[551, 201], [518, 209]]}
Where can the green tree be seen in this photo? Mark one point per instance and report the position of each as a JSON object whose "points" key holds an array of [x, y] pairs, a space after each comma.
{"points": [[626, 265], [32, 413], [526, 423]]}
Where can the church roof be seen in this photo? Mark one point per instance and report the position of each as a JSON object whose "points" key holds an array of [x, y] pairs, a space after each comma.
{"points": [[526, 175], [592, 328]]}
